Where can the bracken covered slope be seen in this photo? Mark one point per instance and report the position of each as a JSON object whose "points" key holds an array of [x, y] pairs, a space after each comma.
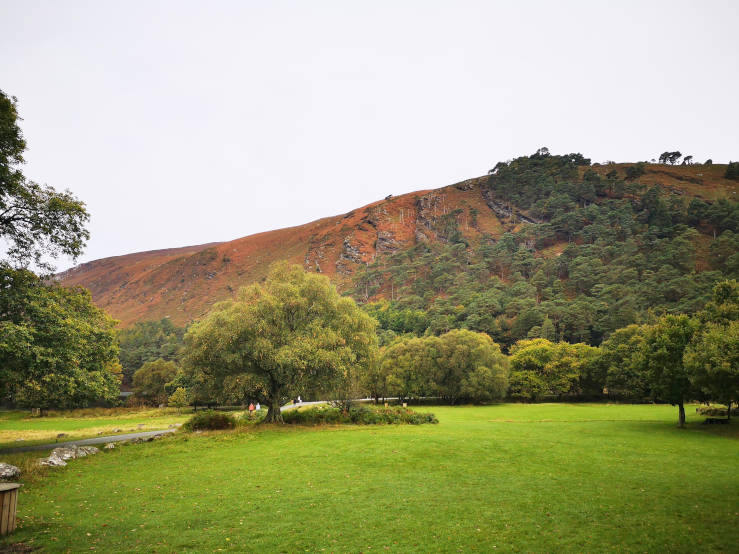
{"points": [[183, 283]]}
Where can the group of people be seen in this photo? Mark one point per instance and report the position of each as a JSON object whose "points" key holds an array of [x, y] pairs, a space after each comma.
{"points": [[253, 408]]}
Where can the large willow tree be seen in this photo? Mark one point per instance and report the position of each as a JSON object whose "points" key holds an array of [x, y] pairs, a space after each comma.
{"points": [[291, 332]]}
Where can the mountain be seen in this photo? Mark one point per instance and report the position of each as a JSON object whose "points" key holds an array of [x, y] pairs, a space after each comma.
{"points": [[368, 251]]}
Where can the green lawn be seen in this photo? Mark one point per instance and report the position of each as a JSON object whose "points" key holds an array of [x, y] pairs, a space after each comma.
{"points": [[506, 477], [79, 424]]}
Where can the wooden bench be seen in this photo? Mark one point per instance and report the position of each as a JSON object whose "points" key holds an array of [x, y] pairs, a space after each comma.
{"points": [[715, 421], [8, 505]]}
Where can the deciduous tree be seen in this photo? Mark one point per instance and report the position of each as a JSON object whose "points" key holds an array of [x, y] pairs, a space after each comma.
{"points": [[292, 331]]}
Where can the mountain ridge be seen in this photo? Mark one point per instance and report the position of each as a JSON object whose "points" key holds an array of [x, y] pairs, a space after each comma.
{"points": [[183, 283]]}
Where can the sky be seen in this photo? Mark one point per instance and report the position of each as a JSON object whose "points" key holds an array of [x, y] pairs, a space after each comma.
{"points": [[182, 123]]}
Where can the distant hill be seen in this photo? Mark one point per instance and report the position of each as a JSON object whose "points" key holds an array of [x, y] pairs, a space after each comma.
{"points": [[363, 251]]}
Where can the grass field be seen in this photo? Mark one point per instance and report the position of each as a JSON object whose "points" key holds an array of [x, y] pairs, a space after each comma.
{"points": [[79, 424], [509, 477]]}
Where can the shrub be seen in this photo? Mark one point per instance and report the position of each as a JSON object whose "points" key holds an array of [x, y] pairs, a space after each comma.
{"points": [[715, 410], [358, 415], [208, 421], [256, 417], [732, 171], [635, 171]]}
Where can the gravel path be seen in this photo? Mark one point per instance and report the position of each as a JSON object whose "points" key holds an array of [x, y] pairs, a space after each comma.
{"points": [[85, 442]]}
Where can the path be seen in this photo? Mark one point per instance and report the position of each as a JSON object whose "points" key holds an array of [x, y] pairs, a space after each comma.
{"points": [[85, 442], [129, 436]]}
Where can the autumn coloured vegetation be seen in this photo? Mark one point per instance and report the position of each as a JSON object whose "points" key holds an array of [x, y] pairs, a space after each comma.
{"points": [[548, 312]]}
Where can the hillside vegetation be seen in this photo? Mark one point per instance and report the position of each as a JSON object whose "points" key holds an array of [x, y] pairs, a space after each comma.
{"points": [[582, 251], [511, 241]]}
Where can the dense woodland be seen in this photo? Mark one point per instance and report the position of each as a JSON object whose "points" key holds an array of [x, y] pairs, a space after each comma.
{"points": [[601, 253]]}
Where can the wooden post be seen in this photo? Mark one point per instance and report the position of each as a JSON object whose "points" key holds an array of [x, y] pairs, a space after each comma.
{"points": [[8, 505]]}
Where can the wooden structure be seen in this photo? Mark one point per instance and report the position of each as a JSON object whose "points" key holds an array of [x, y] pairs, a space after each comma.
{"points": [[8, 505]]}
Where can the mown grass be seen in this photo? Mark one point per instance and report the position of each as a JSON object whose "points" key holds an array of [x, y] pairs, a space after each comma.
{"points": [[79, 424], [509, 477]]}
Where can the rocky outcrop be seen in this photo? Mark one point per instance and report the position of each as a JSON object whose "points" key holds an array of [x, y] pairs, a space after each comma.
{"points": [[386, 243], [350, 255], [429, 208], [9, 472], [316, 253], [505, 210], [59, 456]]}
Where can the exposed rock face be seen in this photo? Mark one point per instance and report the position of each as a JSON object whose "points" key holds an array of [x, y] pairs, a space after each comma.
{"points": [[9, 472], [503, 210], [386, 243], [350, 254], [428, 208], [316, 254]]}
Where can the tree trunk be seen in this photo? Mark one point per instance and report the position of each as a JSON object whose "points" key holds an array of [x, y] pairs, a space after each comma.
{"points": [[681, 413], [728, 411], [274, 414]]}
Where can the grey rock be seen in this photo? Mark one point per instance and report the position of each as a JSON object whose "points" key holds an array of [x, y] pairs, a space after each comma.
{"points": [[64, 452], [53, 461], [60, 455], [82, 451], [110, 446], [9, 472]]}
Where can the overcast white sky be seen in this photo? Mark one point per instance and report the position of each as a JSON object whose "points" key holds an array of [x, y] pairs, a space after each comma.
{"points": [[181, 123]]}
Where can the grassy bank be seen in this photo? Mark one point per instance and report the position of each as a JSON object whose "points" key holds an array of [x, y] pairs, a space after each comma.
{"points": [[510, 477], [79, 424]]}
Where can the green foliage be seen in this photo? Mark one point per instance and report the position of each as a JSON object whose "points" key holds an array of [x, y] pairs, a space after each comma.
{"points": [[712, 358], [359, 414], [732, 171], [36, 222], [150, 380], [670, 157], [627, 252], [635, 171], [542, 368], [179, 398], [713, 362], [620, 357], [661, 359], [458, 365], [57, 349], [291, 332], [712, 410], [209, 421], [148, 341]]}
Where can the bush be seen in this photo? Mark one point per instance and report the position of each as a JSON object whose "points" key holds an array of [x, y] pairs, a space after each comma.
{"points": [[209, 421], [256, 417], [715, 410], [635, 171], [358, 415], [732, 171]]}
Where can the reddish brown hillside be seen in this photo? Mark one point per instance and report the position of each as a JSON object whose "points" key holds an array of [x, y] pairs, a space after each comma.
{"points": [[183, 283]]}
